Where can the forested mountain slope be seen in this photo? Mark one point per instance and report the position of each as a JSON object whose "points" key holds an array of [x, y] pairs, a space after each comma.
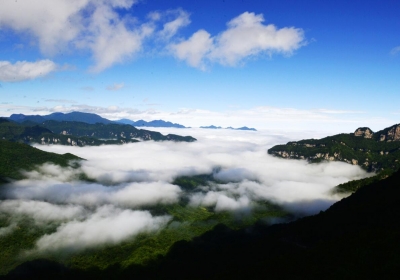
{"points": [[372, 151]]}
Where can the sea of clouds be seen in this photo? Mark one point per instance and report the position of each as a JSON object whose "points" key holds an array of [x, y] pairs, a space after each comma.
{"points": [[134, 176]]}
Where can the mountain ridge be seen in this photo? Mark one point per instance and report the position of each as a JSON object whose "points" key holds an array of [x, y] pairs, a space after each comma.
{"points": [[80, 134], [58, 116], [374, 152], [229, 127]]}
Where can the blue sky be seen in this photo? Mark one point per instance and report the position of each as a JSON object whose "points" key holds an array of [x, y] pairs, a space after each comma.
{"points": [[266, 64]]}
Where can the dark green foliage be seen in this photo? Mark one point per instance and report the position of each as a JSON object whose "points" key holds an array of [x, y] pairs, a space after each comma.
{"points": [[16, 156], [190, 183], [25, 233], [354, 185]]}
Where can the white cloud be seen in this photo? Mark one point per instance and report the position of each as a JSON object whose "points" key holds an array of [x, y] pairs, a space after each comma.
{"points": [[245, 36], [89, 24], [131, 195], [24, 70], [107, 225], [54, 23], [115, 87], [41, 211], [395, 50], [170, 28], [194, 49]]}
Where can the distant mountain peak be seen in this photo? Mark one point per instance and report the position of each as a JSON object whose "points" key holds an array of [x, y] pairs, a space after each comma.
{"points": [[229, 127], [58, 116], [155, 123]]}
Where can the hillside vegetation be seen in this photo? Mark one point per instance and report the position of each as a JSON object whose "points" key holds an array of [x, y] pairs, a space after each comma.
{"points": [[17, 156]]}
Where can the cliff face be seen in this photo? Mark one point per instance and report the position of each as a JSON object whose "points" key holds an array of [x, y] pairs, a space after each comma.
{"points": [[372, 151], [390, 134], [364, 132]]}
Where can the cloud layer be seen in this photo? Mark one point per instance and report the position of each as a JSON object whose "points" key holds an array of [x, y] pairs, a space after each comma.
{"points": [[134, 176]]}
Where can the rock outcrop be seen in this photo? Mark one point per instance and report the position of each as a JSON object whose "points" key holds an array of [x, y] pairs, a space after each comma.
{"points": [[365, 132], [390, 134]]}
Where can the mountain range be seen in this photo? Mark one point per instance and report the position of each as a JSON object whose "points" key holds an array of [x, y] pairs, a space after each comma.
{"points": [[156, 123], [71, 117], [79, 133], [93, 119], [219, 127]]}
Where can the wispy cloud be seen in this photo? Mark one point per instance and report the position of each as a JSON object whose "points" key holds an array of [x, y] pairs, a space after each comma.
{"points": [[61, 101], [395, 51], [329, 111], [24, 70], [180, 18], [115, 87], [87, 88]]}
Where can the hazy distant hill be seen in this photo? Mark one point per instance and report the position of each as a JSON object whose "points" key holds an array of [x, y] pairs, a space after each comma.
{"points": [[219, 127], [73, 116], [88, 118], [156, 123]]}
